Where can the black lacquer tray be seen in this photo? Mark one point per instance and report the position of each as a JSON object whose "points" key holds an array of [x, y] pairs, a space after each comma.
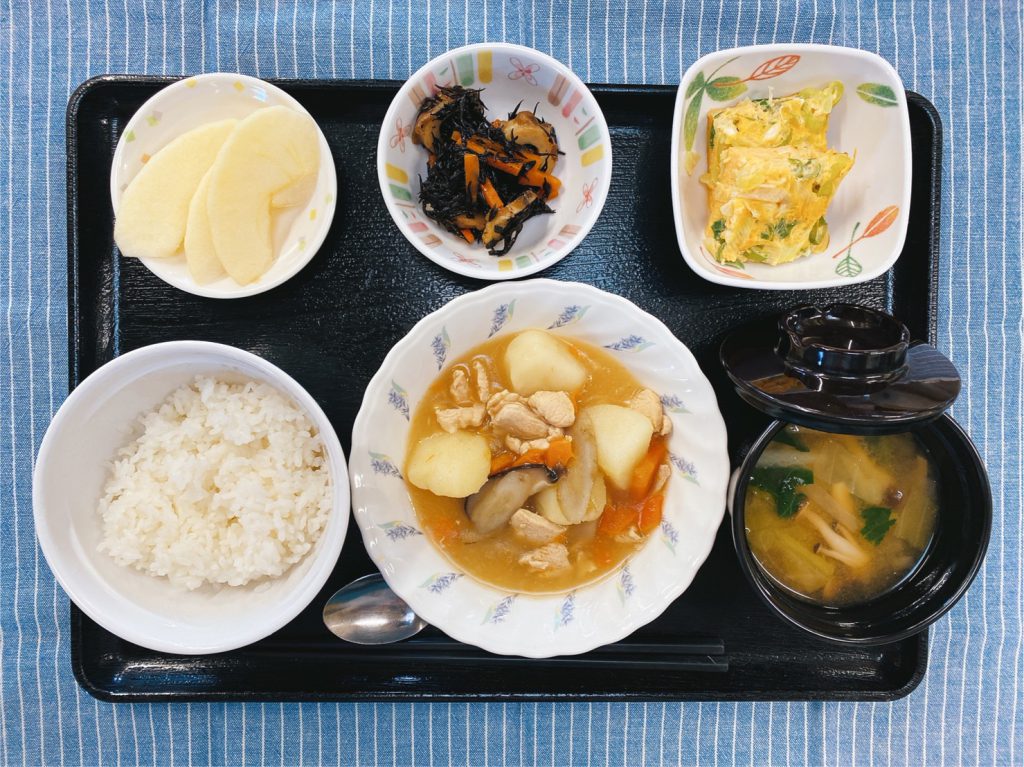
{"points": [[331, 326]]}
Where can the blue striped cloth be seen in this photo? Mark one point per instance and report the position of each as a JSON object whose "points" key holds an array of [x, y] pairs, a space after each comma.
{"points": [[964, 57]]}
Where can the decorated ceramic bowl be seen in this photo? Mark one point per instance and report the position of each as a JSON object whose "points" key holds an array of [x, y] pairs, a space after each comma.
{"points": [[205, 98], [595, 614], [509, 75], [868, 216]]}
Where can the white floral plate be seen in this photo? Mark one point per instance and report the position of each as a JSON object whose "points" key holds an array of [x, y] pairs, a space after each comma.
{"points": [[868, 216], [189, 103], [509, 75], [591, 616]]}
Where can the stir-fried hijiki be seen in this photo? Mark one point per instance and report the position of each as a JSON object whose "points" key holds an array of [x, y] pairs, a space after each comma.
{"points": [[840, 519], [485, 178], [538, 464]]}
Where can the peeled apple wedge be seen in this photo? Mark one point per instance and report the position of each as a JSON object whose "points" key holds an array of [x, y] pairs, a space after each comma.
{"points": [[623, 436], [539, 361], [152, 215], [200, 255], [271, 153], [453, 465]]}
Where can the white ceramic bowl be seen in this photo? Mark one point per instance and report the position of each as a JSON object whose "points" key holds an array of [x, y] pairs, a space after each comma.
{"points": [[189, 103], [593, 615], [872, 205], [509, 75], [73, 465]]}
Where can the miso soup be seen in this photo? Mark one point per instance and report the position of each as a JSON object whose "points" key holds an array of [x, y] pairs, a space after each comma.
{"points": [[840, 519]]}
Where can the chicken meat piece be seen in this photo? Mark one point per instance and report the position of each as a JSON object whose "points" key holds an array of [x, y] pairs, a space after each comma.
{"points": [[460, 386], [555, 407], [483, 380], [648, 403], [521, 446], [533, 528], [457, 418], [548, 558], [519, 420], [664, 472]]}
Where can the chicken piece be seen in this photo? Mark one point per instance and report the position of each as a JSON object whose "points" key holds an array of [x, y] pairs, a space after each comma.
{"points": [[457, 418], [498, 400], [517, 419], [526, 129], [533, 528], [648, 403], [483, 380], [460, 386], [664, 472], [548, 558], [555, 407], [522, 446]]}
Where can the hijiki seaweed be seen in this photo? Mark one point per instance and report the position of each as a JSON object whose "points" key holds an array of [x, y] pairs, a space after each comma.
{"points": [[485, 179]]}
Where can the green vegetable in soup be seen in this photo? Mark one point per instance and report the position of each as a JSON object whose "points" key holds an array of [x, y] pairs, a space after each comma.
{"points": [[877, 521], [782, 483]]}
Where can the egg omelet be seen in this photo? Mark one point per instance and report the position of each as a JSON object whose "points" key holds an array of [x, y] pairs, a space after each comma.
{"points": [[771, 177]]}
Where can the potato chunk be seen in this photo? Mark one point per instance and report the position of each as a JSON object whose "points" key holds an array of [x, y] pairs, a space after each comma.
{"points": [[623, 437], [153, 211], [271, 152], [453, 465], [539, 361]]}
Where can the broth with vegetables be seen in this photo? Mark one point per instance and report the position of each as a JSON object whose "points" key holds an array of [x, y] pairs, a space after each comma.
{"points": [[840, 519], [538, 463]]}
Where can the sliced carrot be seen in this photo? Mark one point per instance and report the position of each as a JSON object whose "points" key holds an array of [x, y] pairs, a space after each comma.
{"points": [[444, 529], [643, 474], [456, 137], [471, 168], [491, 195], [617, 519], [468, 234], [539, 179], [650, 513], [559, 453], [502, 461], [511, 168], [530, 456]]}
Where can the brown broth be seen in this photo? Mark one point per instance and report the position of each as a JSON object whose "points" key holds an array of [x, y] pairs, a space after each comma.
{"points": [[494, 559], [885, 472]]}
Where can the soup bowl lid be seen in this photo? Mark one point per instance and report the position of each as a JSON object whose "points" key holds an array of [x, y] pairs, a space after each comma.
{"points": [[843, 368]]}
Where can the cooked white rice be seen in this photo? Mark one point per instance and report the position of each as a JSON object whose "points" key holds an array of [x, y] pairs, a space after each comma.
{"points": [[226, 484]]}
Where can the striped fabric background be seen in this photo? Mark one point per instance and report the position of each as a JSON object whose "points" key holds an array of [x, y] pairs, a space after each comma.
{"points": [[965, 56]]}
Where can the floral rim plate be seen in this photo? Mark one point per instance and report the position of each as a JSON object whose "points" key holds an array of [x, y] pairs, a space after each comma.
{"points": [[868, 216], [188, 103], [590, 616], [509, 75]]}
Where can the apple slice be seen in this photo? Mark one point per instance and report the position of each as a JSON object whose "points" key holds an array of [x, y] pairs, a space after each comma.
{"points": [[153, 212], [200, 255], [270, 152]]}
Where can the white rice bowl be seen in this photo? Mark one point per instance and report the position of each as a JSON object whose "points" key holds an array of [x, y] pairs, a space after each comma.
{"points": [[226, 484]]}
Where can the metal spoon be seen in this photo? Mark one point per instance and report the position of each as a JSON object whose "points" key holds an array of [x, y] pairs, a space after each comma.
{"points": [[367, 611]]}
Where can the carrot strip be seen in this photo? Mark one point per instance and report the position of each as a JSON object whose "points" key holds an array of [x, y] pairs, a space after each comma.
{"points": [[539, 179], [559, 453], [530, 456], [650, 513], [501, 461], [511, 168], [491, 195], [471, 168], [456, 137], [616, 520], [468, 235], [643, 474]]}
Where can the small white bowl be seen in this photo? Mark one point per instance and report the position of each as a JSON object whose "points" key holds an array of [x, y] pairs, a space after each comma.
{"points": [[72, 467], [189, 103], [871, 121], [599, 613], [509, 75]]}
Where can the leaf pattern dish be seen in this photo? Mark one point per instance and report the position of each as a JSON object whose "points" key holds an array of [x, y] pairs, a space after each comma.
{"points": [[871, 123]]}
